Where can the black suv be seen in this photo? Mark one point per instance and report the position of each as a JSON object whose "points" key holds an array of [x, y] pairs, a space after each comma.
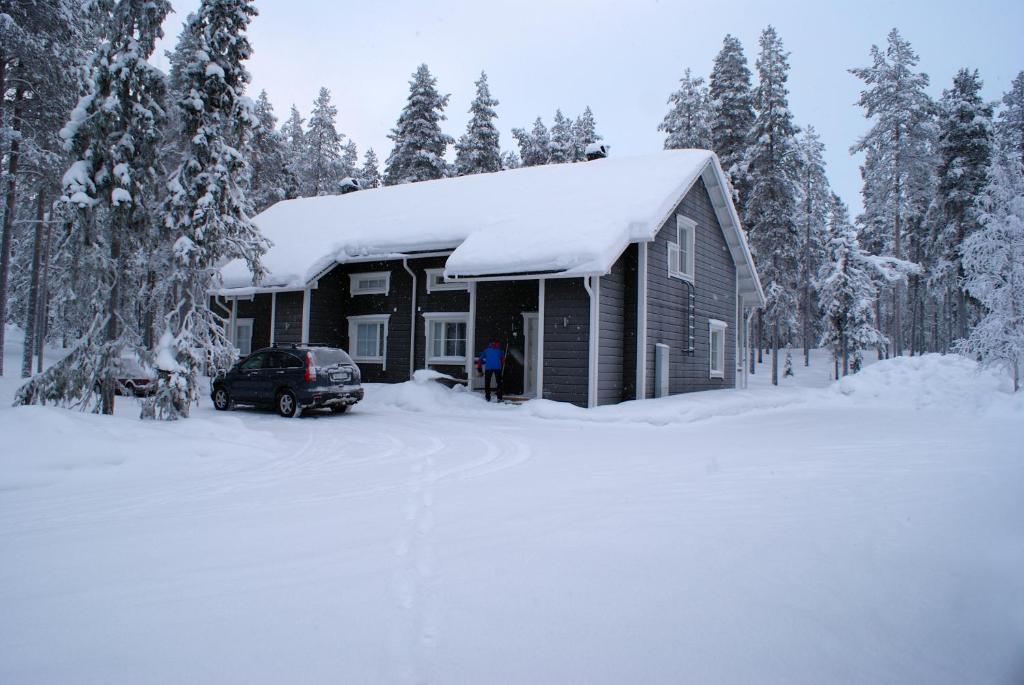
{"points": [[291, 379]]}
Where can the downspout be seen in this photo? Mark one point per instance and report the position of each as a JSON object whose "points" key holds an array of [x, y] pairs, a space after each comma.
{"points": [[641, 322], [540, 339], [412, 320], [594, 292], [273, 316], [232, 321]]}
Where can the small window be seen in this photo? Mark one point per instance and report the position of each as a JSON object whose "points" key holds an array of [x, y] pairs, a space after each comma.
{"points": [[716, 330], [243, 336], [368, 336], [435, 281], [680, 253], [446, 338], [371, 283]]}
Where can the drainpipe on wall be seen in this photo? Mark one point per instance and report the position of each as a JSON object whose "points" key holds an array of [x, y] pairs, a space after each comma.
{"points": [[593, 289], [641, 321], [412, 321], [540, 339]]}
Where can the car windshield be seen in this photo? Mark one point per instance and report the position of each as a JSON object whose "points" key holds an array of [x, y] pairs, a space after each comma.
{"points": [[328, 356]]}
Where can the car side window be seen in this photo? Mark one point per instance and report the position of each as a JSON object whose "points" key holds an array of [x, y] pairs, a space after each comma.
{"points": [[257, 361], [289, 361]]}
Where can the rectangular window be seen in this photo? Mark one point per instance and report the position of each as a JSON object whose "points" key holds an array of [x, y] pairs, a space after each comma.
{"points": [[680, 253], [371, 283], [446, 337], [435, 281], [243, 336], [368, 338], [716, 332]]}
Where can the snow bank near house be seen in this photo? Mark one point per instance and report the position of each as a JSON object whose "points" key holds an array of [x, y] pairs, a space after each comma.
{"points": [[931, 381]]}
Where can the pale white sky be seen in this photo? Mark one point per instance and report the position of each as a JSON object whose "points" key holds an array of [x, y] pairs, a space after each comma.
{"points": [[623, 58]]}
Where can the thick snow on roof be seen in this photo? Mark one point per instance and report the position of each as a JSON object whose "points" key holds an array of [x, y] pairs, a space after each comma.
{"points": [[567, 218]]}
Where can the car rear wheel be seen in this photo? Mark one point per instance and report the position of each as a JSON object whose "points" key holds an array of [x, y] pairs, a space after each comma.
{"points": [[286, 404], [339, 408], [221, 399]]}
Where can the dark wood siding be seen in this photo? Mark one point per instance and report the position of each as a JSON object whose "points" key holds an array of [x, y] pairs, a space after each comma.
{"points": [[436, 301], [499, 314], [668, 299], [566, 340], [288, 318], [631, 273], [612, 337], [257, 309]]}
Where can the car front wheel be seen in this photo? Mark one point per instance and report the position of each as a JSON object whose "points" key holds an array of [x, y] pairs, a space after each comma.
{"points": [[286, 404], [221, 399]]}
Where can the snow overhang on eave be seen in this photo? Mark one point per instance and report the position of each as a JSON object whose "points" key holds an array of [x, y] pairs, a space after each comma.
{"points": [[520, 276]]}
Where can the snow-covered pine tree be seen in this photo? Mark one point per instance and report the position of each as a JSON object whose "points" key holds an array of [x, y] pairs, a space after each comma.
{"points": [[534, 145], [584, 131], [562, 139], [771, 205], [966, 141], [732, 107], [268, 176], [323, 147], [510, 160], [478, 151], [898, 165], [418, 154], [207, 213], [349, 159], [293, 134], [688, 122], [369, 174], [110, 189], [993, 263], [813, 205], [846, 293], [1011, 118]]}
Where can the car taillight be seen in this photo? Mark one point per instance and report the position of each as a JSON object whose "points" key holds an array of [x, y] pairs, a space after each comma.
{"points": [[310, 369]]}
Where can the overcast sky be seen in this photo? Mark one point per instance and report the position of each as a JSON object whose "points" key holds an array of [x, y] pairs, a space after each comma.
{"points": [[622, 58]]}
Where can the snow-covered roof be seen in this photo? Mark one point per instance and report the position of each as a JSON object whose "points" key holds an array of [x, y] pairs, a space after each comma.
{"points": [[561, 219]]}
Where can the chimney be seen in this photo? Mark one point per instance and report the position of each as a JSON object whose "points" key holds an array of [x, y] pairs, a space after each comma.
{"points": [[597, 151], [350, 185]]}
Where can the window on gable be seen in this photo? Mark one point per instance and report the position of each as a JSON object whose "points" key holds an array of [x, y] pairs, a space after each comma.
{"points": [[680, 253], [371, 283], [446, 338], [368, 338], [716, 348], [435, 281]]}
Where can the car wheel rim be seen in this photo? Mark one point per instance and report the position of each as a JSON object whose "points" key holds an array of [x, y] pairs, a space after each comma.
{"points": [[221, 400], [286, 404]]}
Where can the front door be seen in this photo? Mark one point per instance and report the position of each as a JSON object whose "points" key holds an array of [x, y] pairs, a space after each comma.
{"points": [[530, 363]]}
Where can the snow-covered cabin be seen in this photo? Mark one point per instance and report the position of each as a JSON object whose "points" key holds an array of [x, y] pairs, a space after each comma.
{"points": [[610, 280]]}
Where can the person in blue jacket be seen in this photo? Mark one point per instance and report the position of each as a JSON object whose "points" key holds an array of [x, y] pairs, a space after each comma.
{"points": [[490, 363]]}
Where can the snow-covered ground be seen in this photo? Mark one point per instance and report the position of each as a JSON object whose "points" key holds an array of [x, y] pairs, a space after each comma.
{"points": [[870, 531]]}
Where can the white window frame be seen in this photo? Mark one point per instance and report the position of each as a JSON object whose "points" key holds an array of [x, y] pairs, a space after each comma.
{"points": [[353, 338], [443, 284], [375, 275], [720, 327], [686, 234], [445, 317], [234, 335]]}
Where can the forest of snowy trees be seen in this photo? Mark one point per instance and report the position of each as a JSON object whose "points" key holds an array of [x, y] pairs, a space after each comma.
{"points": [[124, 188], [932, 264]]}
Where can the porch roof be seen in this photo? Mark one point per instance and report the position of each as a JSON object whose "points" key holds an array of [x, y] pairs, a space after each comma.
{"points": [[564, 219]]}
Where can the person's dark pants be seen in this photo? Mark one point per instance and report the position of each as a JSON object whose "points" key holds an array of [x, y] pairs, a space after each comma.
{"points": [[496, 375]]}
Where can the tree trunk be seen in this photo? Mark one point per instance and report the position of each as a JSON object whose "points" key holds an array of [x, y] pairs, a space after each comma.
{"points": [[113, 313], [835, 364], [9, 207], [32, 310], [878, 322], [846, 356], [775, 353], [807, 278], [44, 301], [1016, 375]]}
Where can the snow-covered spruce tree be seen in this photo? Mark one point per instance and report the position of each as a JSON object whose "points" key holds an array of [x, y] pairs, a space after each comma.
{"points": [[478, 151], [296, 153], [584, 131], [846, 293], [267, 159], [732, 107], [534, 145], [771, 205], [110, 191], [563, 142], [688, 122], [899, 159], [323, 147], [369, 174], [510, 160], [206, 210], [814, 202], [1011, 118], [418, 154], [965, 152], [993, 262]]}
